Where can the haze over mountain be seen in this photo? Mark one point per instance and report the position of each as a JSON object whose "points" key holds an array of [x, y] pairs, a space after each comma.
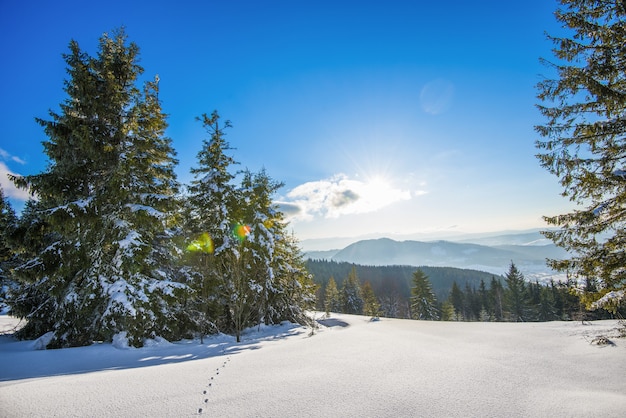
{"points": [[491, 253]]}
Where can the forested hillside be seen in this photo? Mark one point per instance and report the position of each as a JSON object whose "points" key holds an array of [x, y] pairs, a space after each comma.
{"points": [[394, 282], [452, 293]]}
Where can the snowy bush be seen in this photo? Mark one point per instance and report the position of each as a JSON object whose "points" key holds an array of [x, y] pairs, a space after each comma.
{"points": [[42, 342], [120, 340]]}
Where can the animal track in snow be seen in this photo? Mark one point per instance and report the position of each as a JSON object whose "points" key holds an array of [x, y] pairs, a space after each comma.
{"points": [[209, 385]]}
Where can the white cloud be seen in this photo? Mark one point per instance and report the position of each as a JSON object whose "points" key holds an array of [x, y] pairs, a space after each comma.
{"points": [[18, 160], [340, 195], [8, 187], [5, 155]]}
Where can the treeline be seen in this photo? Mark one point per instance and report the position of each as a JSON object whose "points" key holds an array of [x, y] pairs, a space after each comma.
{"points": [[391, 284], [517, 300], [114, 245], [412, 294]]}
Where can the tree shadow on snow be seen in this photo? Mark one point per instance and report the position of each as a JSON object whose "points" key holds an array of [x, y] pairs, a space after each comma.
{"points": [[20, 360], [333, 322]]}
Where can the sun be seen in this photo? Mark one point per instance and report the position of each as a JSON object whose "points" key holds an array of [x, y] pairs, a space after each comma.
{"points": [[378, 191]]}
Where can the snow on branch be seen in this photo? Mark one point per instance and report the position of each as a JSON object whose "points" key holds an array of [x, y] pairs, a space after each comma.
{"points": [[148, 209], [81, 204], [613, 298], [620, 173], [598, 210]]}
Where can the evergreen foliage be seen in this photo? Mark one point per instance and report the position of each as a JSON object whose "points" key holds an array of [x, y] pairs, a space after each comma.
{"points": [[332, 303], [371, 307], [447, 311], [351, 297], [423, 302], [107, 196], [294, 293], [110, 246], [457, 301], [8, 256], [496, 300], [28, 296], [583, 145], [207, 227], [516, 295], [485, 299], [392, 284], [243, 267]]}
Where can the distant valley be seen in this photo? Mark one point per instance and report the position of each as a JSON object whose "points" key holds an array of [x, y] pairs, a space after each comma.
{"points": [[493, 254]]}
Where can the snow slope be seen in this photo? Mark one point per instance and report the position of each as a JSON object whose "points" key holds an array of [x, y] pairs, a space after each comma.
{"points": [[351, 367]]}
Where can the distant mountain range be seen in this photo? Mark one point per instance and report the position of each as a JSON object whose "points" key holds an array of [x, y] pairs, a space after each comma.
{"points": [[492, 254]]}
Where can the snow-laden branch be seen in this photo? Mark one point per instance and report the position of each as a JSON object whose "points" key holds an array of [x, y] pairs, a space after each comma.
{"points": [[613, 298]]}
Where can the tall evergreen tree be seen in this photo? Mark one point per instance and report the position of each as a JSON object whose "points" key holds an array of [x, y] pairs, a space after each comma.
{"points": [[447, 311], [244, 269], [457, 299], [583, 145], [207, 228], [546, 310], [485, 303], [212, 192], [371, 307], [29, 298], [351, 297], [496, 299], [332, 302], [295, 291], [472, 306], [264, 232], [107, 195], [282, 284], [423, 302], [515, 295]]}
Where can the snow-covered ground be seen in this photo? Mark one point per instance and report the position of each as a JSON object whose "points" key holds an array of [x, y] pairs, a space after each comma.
{"points": [[350, 368]]}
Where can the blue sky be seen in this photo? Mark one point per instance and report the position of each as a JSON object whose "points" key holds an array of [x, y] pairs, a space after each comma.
{"points": [[394, 117]]}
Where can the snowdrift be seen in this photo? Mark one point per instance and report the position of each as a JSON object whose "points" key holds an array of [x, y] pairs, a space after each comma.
{"points": [[351, 367]]}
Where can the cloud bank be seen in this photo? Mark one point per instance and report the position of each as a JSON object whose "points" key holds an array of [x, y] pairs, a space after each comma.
{"points": [[340, 195]]}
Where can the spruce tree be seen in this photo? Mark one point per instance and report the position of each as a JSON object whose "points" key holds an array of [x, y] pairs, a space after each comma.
{"points": [[331, 299], [108, 196], [583, 144], [485, 301], [371, 306], [242, 266], [351, 297], [471, 305], [496, 299], [423, 302], [207, 230], [447, 311], [29, 298], [269, 279], [515, 295], [263, 223], [457, 299], [546, 310], [266, 246], [294, 294]]}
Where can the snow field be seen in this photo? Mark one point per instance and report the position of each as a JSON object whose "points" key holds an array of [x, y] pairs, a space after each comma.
{"points": [[351, 368]]}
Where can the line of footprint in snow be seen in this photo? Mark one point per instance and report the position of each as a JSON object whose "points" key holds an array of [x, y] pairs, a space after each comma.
{"points": [[209, 385]]}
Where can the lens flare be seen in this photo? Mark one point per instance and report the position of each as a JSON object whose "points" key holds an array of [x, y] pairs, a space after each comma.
{"points": [[203, 243], [241, 232]]}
